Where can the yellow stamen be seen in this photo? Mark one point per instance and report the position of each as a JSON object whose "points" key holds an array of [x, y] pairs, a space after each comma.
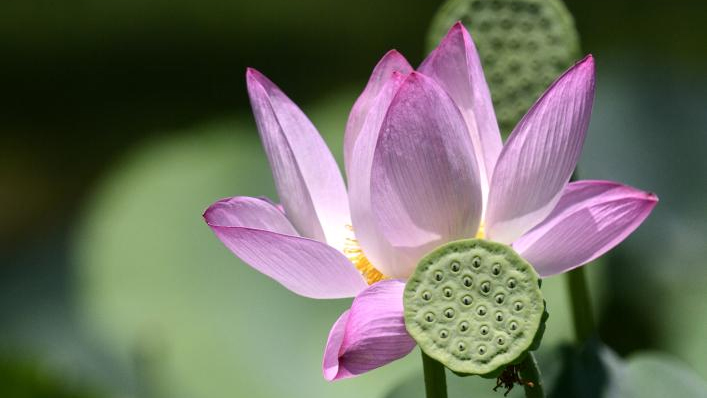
{"points": [[353, 251], [481, 233]]}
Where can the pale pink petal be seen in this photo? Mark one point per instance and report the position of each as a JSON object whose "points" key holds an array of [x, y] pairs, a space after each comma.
{"points": [[455, 65], [306, 176], [370, 334], [376, 248], [425, 187], [540, 155], [391, 62], [259, 234], [591, 218]]}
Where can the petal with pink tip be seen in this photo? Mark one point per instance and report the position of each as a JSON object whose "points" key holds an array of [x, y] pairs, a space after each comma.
{"points": [[366, 103], [456, 66], [306, 176], [590, 219], [425, 188], [370, 334], [259, 234], [540, 155]]}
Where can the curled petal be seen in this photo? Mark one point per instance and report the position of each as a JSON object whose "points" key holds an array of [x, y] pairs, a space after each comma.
{"points": [[306, 176], [370, 334], [259, 234], [456, 66], [366, 103], [425, 188], [540, 155], [591, 218]]}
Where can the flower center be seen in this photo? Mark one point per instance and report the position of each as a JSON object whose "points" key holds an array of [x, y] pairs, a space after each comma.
{"points": [[481, 233], [352, 250]]}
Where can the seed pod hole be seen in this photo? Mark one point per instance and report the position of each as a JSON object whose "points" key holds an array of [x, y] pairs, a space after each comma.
{"points": [[430, 317], [518, 305], [511, 283], [481, 310], [496, 269], [467, 300], [449, 313], [485, 287], [476, 262], [443, 334], [439, 276], [427, 296], [499, 317], [464, 326], [500, 298], [447, 292], [467, 281], [455, 266]]}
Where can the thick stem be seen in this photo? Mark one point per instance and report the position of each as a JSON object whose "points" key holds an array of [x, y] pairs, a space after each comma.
{"points": [[533, 382], [582, 315], [435, 381]]}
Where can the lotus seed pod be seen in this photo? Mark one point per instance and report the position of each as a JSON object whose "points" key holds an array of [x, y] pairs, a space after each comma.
{"points": [[523, 45], [475, 306]]}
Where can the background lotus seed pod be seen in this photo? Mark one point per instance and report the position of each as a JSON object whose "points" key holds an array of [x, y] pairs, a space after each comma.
{"points": [[474, 306], [523, 44]]}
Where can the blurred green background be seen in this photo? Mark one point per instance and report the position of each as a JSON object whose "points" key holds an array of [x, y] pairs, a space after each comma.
{"points": [[121, 120]]}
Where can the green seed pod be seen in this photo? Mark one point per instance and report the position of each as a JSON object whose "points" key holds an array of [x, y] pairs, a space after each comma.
{"points": [[524, 46], [475, 306]]}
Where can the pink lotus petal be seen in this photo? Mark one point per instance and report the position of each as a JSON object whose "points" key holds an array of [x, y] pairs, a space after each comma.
{"points": [[370, 334], [591, 218], [425, 188], [306, 176], [540, 155], [372, 241], [455, 65], [391, 62], [259, 234]]}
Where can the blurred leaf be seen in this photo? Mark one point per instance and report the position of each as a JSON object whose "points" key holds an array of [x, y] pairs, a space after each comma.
{"points": [[524, 46], [596, 371], [23, 378], [593, 371], [660, 375]]}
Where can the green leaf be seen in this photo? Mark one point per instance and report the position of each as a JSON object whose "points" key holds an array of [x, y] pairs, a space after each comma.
{"points": [[524, 46], [596, 371]]}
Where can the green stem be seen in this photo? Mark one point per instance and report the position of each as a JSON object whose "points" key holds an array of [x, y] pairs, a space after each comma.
{"points": [[582, 315], [435, 382], [530, 373]]}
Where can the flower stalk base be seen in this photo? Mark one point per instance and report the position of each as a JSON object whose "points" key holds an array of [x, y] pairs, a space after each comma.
{"points": [[435, 378]]}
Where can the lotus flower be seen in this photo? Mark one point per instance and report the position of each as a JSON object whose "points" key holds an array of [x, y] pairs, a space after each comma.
{"points": [[425, 165]]}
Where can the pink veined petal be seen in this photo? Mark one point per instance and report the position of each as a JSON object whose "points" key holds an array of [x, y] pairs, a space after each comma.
{"points": [[540, 155], [456, 66], [376, 248], [391, 62], [258, 233], [370, 334], [307, 178], [590, 219], [425, 188]]}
